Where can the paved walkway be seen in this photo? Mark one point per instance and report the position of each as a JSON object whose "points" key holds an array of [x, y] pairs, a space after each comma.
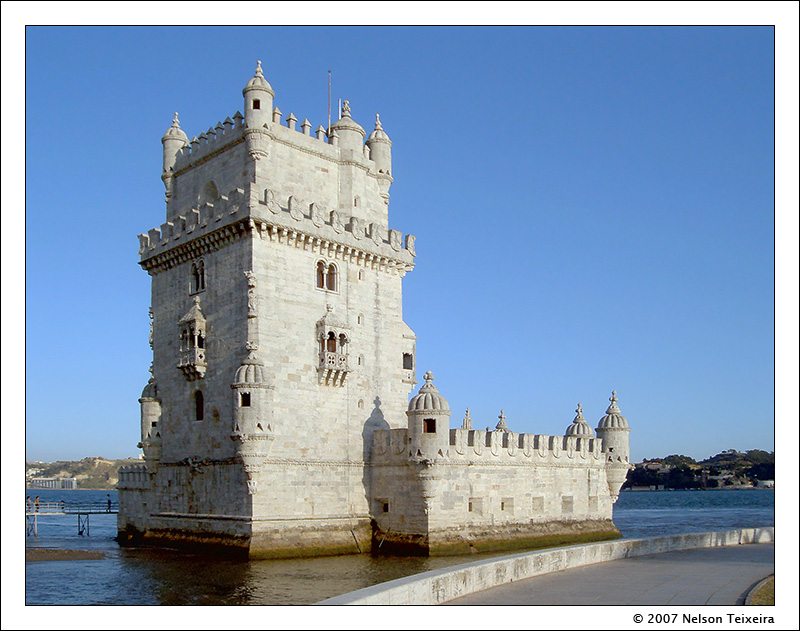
{"points": [[706, 576]]}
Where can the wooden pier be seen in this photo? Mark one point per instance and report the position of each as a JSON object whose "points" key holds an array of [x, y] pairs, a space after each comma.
{"points": [[34, 509]]}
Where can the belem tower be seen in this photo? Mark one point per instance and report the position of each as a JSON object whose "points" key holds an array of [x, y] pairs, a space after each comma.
{"points": [[277, 419]]}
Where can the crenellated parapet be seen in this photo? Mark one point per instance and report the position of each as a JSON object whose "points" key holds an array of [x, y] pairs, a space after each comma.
{"points": [[283, 218], [133, 477], [210, 143], [495, 447]]}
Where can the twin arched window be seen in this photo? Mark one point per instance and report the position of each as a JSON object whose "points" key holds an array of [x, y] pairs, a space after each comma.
{"points": [[198, 276], [327, 276], [332, 344]]}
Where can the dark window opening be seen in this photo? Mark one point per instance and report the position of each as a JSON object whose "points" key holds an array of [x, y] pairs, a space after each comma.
{"points": [[429, 426], [385, 507], [331, 342], [321, 275], [408, 361], [198, 405], [256, 104], [330, 279], [245, 399]]}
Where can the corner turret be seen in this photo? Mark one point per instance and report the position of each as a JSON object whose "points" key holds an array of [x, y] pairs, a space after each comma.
{"points": [[349, 133], [613, 430], [150, 417], [579, 427], [258, 96], [174, 140], [428, 422]]}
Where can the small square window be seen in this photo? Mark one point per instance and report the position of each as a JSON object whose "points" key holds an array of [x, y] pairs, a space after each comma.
{"points": [[245, 399], [429, 426], [256, 104]]}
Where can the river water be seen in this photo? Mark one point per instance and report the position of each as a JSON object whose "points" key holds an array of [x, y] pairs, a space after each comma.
{"points": [[166, 577]]}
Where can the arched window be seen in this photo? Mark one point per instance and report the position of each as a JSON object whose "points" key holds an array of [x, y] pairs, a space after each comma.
{"points": [[198, 405], [342, 342], [209, 193], [331, 342], [327, 276], [331, 278], [321, 275]]}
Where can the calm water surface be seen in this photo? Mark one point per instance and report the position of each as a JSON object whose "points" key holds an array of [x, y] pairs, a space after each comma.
{"points": [[168, 577]]}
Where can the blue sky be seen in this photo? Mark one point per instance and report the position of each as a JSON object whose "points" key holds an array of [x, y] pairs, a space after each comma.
{"points": [[593, 208]]}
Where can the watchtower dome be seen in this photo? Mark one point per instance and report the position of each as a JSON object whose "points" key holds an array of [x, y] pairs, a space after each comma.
{"points": [[428, 422]]}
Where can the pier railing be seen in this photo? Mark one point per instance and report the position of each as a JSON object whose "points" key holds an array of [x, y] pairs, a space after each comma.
{"points": [[34, 509]]}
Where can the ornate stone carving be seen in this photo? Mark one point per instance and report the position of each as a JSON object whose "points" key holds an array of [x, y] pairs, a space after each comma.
{"points": [[410, 240], [296, 207], [336, 222], [252, 296], [272, 205]]}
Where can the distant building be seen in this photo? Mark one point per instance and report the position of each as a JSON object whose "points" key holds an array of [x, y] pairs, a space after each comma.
{"points": [[277, 417], [62, 484]]}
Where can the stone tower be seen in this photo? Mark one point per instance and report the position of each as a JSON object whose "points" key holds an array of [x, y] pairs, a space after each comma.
{"points": [[276, 420], [277, 335]]}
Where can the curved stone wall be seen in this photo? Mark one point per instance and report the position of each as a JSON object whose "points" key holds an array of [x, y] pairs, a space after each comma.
{"points": [[438, 586]]}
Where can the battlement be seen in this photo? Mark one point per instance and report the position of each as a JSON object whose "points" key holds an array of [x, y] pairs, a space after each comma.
{"points": [[133, 477], [392, 446], [214, 140], [304, 224]]}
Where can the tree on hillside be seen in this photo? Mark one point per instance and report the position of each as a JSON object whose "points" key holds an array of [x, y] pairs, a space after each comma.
{"points": [[676, 460]]}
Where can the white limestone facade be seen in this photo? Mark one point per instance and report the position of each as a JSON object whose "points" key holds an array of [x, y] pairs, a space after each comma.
{"points": [[276, 420]]}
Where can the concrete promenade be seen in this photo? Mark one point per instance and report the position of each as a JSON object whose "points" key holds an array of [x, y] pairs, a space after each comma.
{"points": [[704, 576], [746, 552]]}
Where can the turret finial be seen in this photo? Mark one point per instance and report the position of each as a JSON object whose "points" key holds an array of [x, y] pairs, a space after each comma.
{"points": [[502, 426], [259, 73], [613, 398], [378, 122], [429, 374], [175, 120], [467, 424], [345, 108], [579, 410]]}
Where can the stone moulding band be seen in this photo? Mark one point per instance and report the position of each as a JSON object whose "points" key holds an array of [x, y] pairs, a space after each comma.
{"points": [[202, 516], [438, 586]]}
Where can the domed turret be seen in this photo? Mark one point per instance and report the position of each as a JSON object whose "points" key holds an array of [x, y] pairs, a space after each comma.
{"points": [[150, 405], [174, 140], [380, 148], [613, 430], [613, 417], [579, 426], [350, 133], [428, 422], [258, 96]]}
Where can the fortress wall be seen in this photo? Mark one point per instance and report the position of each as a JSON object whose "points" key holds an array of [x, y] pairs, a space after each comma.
{"points": [[312, 418], [316, 171], [223, 304], [186, 503], [223, 169]]}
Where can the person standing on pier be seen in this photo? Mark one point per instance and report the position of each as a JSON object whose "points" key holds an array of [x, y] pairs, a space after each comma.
{"points": [[108, 504], [36, 503]]}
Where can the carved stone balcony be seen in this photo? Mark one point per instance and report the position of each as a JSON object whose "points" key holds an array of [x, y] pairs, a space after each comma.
{"points": [[333, 368], [193, 363]]}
